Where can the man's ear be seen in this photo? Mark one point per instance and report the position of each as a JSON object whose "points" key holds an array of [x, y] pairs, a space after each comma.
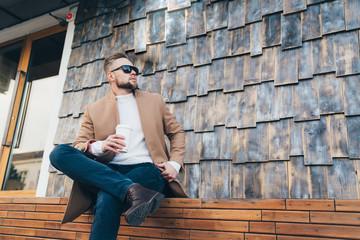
{"points": [[110, 77]]}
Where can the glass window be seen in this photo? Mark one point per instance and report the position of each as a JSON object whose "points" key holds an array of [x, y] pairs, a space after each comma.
{"points": [[9, 59], [25, 161]]}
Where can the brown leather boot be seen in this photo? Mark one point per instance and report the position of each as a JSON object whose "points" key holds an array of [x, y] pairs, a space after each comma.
{"points": [[141, 201]]}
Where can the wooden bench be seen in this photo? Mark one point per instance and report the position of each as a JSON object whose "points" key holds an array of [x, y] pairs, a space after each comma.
{"points": [[265, 219]]}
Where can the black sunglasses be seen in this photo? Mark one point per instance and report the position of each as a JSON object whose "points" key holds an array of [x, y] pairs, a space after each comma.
{"points": [[127, 69]]}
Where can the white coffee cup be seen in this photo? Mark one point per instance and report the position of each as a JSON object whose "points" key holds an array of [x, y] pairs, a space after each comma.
{"points": [[125, 131]]}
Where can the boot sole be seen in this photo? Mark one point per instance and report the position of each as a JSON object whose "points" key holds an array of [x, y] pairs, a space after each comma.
{"points": [[156, 202], [138, 215]]}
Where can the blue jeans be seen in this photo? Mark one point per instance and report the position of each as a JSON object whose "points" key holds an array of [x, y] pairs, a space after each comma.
{"points": [[111, 181]]}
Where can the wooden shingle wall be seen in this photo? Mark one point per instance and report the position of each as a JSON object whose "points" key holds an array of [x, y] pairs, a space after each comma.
{"points": [[268, 91]]}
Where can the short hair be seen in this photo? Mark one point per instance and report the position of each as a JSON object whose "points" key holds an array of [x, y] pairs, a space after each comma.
{"points": [[108, 60]]}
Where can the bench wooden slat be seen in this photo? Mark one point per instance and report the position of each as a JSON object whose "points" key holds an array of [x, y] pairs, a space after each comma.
{"points": [[181, 203], [244, 204], [347, 205], [18, 207], [285, 237], [23, 223], [50, 208], [15, 215], [3, 214], [252, 236], [76, 227], [262, 227], [319, 230], [142, 232], [168, 212], [38, 200], [310, 204], [223, 214], [285, 216], [55, 234], [231, 226], [196, 234], [335, 218]]}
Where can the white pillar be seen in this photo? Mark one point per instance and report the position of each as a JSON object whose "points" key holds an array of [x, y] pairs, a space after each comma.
{"points": [[54, 120]]}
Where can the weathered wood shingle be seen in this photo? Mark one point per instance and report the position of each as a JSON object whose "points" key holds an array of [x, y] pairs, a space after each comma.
{"points": [[306, 100], [351, 92], [271, 30], [155, 27], [286, 101], [352, 18], [196, 19], [305, 63], [291, 31], [291, 6], [252, 70], [178, 4], [279, 140], [256, 38], [271, 6], [275, 176], [154, 5], [311, 27], [240, 40], [140, 35], [339, 136], [236, 14], [342, 186], [137, 9], [234, 74], [216, 15], [332, 16], [299, 175], [317, 142], [330, 97], [257, 143], [323, 55], [288, 74], [354, 137], [268, 64], [121, 16], [252, 11], [247, 107], [267, 108], [346, 52], [221, 43], [202, 53], [175, 28]]}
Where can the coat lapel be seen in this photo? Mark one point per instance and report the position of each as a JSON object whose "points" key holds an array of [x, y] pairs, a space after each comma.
{"points": [[115, 112]]}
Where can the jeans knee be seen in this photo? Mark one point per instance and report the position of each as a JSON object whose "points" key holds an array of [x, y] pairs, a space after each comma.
{"points": [[57, 154]]}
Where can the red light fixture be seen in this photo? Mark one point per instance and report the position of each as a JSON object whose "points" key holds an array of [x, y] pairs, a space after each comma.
{"points": [[69, 16]]}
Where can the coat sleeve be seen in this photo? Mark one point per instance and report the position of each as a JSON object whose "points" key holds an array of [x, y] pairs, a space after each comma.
{"points": [[86, 134], [176, 135]]}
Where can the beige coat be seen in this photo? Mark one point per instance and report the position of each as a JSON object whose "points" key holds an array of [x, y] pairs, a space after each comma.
{"points": [[100, 120]]}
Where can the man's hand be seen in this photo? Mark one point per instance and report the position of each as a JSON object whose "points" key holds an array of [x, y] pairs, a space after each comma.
{"points": [[113, 143], [169, 172]]}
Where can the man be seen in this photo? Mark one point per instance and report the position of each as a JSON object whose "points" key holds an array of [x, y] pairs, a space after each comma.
{"points": [[130, 182]]}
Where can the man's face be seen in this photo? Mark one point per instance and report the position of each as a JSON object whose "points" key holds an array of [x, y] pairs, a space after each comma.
{"points": [[123, 80]]}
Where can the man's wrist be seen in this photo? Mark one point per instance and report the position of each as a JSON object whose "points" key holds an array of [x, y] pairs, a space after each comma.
{"points": [[176, 165], [96, 148]]}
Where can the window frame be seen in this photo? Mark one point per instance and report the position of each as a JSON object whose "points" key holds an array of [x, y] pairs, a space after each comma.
{"points": [[22, 70]]}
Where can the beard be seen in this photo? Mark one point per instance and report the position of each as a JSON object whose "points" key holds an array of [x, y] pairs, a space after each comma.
{"points": [[127, 85]]}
